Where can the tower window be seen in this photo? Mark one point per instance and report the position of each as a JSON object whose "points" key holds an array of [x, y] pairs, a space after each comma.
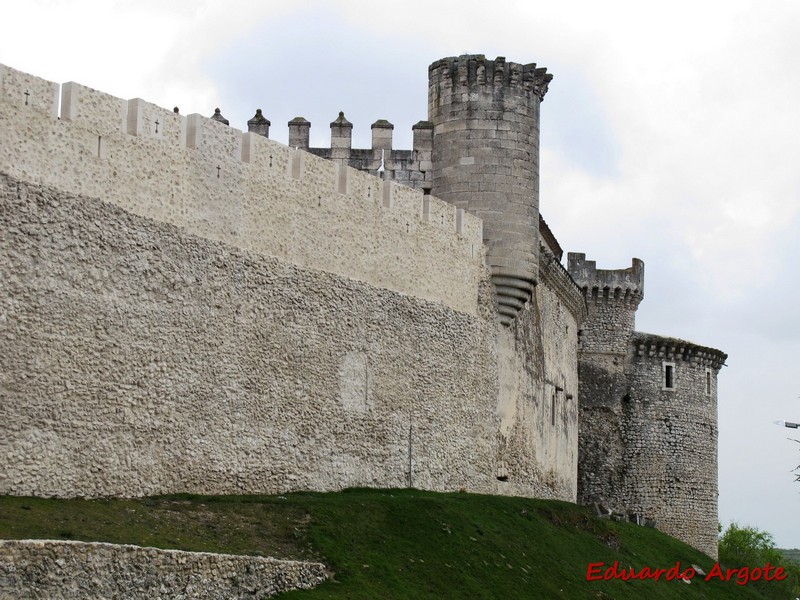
{"points": [[553, 410], [669, 376], [708, 382]]}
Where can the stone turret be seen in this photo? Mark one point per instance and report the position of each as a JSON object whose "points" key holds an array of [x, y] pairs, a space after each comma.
{"points": [[485, 115], [612, 297]]}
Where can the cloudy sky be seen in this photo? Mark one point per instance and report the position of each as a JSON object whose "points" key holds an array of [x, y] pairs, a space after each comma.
{"points": [[671, 132]]}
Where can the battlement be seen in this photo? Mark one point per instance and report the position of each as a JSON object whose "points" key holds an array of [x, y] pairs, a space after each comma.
{"points": [[612, 297], [413, 168], [241, 188], [473, 70], [673, 349], [381, 159], [623, 287]]}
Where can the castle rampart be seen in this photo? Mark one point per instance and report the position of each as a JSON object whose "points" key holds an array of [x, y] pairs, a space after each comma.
{"points": [[220, 313], [672, 349], [243, 189], [412, 168], [191, 308], [140, 359]]}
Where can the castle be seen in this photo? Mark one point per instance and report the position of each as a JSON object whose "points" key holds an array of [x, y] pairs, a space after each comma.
{"points": [[190, 308]]}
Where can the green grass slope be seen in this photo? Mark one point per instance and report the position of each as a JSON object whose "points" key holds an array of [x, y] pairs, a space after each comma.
{"points": [[392, 543]]}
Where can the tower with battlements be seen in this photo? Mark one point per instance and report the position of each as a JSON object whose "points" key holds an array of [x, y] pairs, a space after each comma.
{"points": [[478, 150], [648, 412], [485, 116]]}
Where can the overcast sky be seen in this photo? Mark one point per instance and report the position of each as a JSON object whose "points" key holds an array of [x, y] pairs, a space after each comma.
{"points": [[671, 132]]}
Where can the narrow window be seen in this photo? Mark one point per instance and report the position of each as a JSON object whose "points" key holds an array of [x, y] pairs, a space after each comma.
{"points": [[553, 410], [708, 383], [669, 376]]}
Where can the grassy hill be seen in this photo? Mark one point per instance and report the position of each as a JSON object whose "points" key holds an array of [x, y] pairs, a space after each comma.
{"points": [[393, 543]]}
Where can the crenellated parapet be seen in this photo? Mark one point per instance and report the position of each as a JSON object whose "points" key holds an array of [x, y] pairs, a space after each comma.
{"points": [[474, 71], [244, 189], [656, 347], [621, 287], [412, 168], [612, 297], [556, 277]]}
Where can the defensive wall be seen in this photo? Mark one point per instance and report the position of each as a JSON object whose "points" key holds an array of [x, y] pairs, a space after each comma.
{"points": [[190, 308], [239, 188]]}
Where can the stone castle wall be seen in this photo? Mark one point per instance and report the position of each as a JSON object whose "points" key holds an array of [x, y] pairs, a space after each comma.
{"points": [[242, 189], [140, 359], [538, 384], [230, 315], [77, 570], [192, 309]]}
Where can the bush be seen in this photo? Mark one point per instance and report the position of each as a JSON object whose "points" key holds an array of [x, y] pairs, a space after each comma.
{"points": [[749, 547]]}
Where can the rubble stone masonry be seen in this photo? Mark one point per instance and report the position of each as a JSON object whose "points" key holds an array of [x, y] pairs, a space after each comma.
{"points": [[66, 570]]}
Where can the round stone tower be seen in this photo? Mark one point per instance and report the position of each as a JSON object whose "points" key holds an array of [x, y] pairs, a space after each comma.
{"points": [[671, 435], [647, 440], [485, 115]]}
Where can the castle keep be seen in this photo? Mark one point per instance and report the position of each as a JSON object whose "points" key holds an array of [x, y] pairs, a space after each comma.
{"points": [[190, 308]]}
